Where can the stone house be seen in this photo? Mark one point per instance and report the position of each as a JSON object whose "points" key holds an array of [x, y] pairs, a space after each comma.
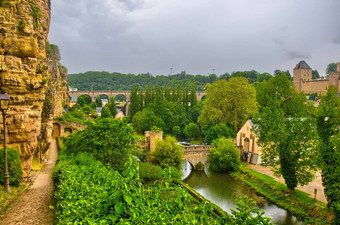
{"points": [[246, 142]]}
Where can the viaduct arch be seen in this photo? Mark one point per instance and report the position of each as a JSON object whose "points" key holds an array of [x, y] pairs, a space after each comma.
{"points": [[94, 94]]}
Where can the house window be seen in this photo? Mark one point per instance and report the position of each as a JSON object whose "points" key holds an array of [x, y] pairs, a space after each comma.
{"points": [[243, 135]]}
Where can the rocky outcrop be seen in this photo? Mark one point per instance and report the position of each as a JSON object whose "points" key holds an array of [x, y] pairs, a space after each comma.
{"points": [[24, 26], [56, 98]]}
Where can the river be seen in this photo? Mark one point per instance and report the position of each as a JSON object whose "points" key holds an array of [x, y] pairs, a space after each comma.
{"points": [[223, 190]]}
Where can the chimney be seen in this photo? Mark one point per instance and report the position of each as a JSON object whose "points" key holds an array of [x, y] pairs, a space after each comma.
{"points": [[338, 67]]}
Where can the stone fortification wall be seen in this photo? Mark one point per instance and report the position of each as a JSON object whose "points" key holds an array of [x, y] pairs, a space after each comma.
{"points": [[303, 80], [315, 86], [24, 27]]}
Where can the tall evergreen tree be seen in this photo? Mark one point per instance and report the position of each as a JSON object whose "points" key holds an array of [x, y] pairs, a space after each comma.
{"points": [[328, 121], [133, 108], [112, 107], [147, 98], [167, 93], [140, 99], [193, 99]]}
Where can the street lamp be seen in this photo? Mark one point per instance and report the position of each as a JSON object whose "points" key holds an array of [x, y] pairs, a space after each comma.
{"points": [[4, 104]]}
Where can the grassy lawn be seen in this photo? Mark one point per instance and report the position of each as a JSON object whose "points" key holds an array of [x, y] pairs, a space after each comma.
{"points": [[6, 198], [300, 203]]}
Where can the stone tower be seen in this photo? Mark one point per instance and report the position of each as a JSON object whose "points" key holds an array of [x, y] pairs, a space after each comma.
{"points": [[302, 73], [334, 78]]}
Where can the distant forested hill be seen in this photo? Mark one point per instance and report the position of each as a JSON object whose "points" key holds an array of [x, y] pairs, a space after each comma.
{"points": [[118, 81]]}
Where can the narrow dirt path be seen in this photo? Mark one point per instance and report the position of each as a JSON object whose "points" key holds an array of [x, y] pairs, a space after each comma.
{"points": [[309, 188], [33, 206]]}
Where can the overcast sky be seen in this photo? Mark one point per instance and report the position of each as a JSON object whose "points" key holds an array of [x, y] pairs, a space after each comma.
{"points": [[138, 36]]}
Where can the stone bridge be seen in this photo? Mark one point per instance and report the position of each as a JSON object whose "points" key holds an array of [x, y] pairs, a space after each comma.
{"points": [[94, 94], [196, 154]]}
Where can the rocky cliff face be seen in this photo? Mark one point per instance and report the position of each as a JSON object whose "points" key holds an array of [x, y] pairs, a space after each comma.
{"points": [[56, 98], [24, 26]]}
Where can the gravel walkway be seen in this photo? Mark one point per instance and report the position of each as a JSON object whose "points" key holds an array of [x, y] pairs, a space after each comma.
{"points": [[33, 206], [309, 188]]}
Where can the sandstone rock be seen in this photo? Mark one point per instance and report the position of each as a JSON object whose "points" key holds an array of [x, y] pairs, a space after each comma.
{"points": [[22, 73]]}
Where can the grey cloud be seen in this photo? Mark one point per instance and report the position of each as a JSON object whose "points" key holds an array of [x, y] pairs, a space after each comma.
{"points": [[132, 4], [194, 35], [337, 40], [296, 54]]}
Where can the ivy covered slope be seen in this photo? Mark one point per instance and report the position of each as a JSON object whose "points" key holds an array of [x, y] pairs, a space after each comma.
{"points": [[100, 182]]}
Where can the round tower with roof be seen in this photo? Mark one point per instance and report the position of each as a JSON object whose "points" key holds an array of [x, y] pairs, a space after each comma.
{"points": [[302, 73]]}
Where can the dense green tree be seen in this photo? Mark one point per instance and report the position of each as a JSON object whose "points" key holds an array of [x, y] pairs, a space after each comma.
{"points": [[106, 113], [315, 74], [81, 101], [192, 130], [147, 96], [250, 75], [167, 93], [328, 119], [87, 109], [99, 102], [168, 153], [134, 101], [193, 98], [286, 134], [176, 130], [217, 131], [140, 99], [109, 140], [112, 107], [93, 105], [331, 68], [225, 157], [263, 76], [232, 101], [145, 120]]}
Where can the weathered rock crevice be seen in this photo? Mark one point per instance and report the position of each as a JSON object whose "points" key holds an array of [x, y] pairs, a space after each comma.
{"points": [[36, 84]]}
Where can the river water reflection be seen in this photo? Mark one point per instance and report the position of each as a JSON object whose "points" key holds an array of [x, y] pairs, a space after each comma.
{"points": [[223, 190]]}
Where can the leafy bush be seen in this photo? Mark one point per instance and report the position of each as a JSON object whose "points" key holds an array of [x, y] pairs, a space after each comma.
{"points": [[225, 157], [192, 130], [145, 120], [14, 167], [89, 193], [217, 131], [149, 172], [168, 153], [245, 211], [109, 140], [176, 130]]}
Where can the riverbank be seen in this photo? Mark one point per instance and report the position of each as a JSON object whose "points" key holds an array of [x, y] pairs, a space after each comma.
{"points": [[299, 204]]}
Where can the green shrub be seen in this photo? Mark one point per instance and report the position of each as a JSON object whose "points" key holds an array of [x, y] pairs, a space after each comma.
{"points": [[192, 130], [14, 167], [109, 140], [219, 130], [88, 193], [149, 172], [168, 153], [225, 157]]}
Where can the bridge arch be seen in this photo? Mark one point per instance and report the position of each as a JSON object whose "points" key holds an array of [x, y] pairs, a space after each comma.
{"points": [[86, 97]]}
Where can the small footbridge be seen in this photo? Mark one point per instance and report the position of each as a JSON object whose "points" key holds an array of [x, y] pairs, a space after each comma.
{"points": [[197, 153]]}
